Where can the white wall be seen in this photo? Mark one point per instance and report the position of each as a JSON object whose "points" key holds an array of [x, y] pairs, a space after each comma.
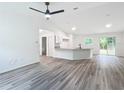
{"points": [[18, 40], [51, 41], [77, 39]]}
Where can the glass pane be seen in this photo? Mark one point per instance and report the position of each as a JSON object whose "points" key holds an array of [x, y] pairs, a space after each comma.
{"points": [[88, 41], [107, 45]]}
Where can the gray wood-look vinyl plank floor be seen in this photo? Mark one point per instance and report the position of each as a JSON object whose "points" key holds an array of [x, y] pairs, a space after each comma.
{"points": [[99, 73]]}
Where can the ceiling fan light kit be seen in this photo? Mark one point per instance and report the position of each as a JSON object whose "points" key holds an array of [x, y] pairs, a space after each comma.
{"points": [[47, 13], [47, 16]]}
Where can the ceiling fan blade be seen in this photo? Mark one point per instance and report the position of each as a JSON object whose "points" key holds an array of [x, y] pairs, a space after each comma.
{"points": [[55, 12], [36, 10]]}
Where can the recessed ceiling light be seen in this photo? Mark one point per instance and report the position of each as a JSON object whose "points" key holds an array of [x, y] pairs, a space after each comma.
{"points": [[75, 8], [108, 15], [108, 25], [40, 30], [73, 28]]}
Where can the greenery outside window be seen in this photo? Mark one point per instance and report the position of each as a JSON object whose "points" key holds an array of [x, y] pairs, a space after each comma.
{"points": [[88, 41]]}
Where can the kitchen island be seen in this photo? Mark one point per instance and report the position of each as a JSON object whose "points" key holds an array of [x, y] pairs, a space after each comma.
{"points": [[73, 54]]}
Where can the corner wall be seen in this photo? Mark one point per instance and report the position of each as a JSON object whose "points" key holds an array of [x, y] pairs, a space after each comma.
{"points": [[18, 40]]}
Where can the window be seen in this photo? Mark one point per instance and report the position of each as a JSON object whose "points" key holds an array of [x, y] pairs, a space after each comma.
{"points": [[88, 41], [107, 45]]}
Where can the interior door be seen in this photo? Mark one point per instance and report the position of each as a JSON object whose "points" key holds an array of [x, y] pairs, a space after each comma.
{"points": [[44, 46]]}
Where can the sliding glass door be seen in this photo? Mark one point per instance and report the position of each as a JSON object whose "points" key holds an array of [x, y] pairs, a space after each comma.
{"points": [[107, 45]]}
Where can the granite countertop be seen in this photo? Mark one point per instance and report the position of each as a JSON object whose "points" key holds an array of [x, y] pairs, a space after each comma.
{"points": [[73, 49]]}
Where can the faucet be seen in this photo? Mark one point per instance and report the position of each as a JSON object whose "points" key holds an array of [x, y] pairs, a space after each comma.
{"points": [[79, 46]]}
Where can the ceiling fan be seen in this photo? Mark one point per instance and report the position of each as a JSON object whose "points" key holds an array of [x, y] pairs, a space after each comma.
{"points": [[47, 12]]}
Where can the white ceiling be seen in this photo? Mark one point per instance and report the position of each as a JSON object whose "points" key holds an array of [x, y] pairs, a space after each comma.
{"points": [[90, 18]]}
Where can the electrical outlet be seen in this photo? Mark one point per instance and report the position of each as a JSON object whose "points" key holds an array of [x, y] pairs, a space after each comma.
{"points": [[15, 60], [21, 59], [11, 60]]}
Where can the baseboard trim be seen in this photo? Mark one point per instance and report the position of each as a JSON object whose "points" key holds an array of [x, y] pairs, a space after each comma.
{"points": [[109, 55], [18, 68], [121, 56]]}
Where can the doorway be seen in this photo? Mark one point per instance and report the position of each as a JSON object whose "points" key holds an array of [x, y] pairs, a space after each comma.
{"points": [[44, 46], [107, 45]]}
